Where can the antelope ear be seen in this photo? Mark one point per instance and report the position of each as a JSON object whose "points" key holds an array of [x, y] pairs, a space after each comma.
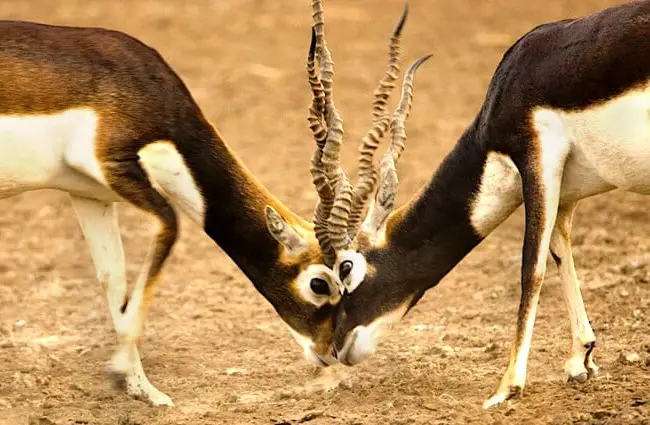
{"points": [[387, 192], [284, 233], [384, 201]]}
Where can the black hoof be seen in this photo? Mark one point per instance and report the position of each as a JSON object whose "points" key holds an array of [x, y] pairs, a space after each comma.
{"points": [[515, 392], [593, 371]]}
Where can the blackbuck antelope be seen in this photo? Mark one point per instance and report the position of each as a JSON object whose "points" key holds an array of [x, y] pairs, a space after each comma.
{"points": [[566, 116], [101, 116]]}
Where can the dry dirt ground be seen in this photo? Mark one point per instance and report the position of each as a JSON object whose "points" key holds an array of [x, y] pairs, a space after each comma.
{"points": [[244, 62]]}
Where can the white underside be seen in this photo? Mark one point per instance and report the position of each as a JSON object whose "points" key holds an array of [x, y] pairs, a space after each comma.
{"points": [[609, 148], [40, 152], [362, 342], [57, 151]]}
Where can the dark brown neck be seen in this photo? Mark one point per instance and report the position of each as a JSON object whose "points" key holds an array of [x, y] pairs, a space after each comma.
{"points": [[433, 232], [235, 202]]}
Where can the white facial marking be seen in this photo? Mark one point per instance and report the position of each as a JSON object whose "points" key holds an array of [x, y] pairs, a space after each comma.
{"points": [[499, 193], [358, 273], [307, 348], [362, 341], [306, 344], [169, 173], [320, 271]]}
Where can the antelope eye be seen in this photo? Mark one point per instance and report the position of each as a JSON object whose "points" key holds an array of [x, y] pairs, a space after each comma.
{"points": [[344, 269], [319, 286]]}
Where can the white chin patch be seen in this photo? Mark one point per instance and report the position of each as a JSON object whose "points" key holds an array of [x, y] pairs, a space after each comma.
{"points": [[358, 273], [306, 344], [362, 342]]}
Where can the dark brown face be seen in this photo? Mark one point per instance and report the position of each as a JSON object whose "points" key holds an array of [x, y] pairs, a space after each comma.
{"points": [[306, 296], [378, 298], [293, 278]]}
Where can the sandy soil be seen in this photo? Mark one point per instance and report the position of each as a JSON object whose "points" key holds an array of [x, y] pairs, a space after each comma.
{"points": [[244, 62]]}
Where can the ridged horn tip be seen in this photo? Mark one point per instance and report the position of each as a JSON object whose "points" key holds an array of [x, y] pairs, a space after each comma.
{"points": [[400, 25], [419, 62]]}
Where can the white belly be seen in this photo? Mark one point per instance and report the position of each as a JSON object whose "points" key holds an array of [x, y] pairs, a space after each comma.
{"points": [[610, 146], [57, 151], [35, 151]]}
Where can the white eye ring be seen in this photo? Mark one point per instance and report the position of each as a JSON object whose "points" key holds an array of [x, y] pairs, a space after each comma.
{"points": [[322, 272], [356, 275]]}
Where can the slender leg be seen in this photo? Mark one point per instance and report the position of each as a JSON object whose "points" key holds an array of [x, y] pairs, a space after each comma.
{"points": [[541, 172], [580, 366], [98, 221], [130, 181]]}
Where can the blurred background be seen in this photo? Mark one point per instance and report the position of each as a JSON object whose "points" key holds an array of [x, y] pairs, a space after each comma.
{"points": [[213, 343]]}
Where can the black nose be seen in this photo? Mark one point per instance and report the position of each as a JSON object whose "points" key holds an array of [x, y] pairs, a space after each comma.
{"points": [[344, 269]]}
